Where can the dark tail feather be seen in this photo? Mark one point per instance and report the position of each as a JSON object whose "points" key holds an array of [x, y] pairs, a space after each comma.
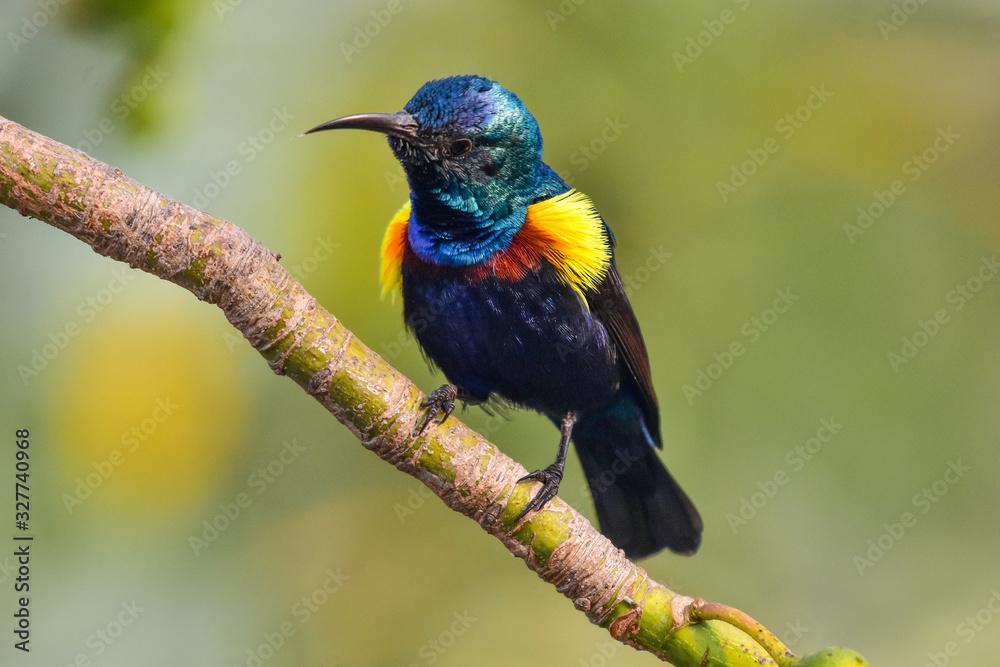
{"points": [[640, 507]]}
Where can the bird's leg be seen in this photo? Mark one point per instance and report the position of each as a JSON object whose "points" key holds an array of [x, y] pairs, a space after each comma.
{"points": [[443, 400], [550, 477]]}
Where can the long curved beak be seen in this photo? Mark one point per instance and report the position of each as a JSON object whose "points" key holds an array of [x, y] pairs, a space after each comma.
{"points": [[399, 124]]}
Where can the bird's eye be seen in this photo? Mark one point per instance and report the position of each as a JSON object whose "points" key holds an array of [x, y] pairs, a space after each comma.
{"points": [[460, 147]]}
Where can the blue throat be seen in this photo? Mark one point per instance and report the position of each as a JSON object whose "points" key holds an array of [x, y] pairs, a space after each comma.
{"points": [[441, 233], [463, 226]]}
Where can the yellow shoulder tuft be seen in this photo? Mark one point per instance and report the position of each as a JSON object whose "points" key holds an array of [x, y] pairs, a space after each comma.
{"points": [[569, 233], [393, 246]]}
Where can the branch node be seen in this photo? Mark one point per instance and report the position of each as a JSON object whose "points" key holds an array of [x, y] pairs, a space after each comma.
{"points": [[680, 610], [626, 625]]}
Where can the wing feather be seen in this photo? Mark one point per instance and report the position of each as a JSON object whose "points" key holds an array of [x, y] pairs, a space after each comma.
{"points": [[611, 307]]}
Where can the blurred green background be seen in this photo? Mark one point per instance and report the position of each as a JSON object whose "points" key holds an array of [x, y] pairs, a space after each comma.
{"points": [[156, 419]]}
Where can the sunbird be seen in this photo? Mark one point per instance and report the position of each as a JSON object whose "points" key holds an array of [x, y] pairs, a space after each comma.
{"points": [[510, 287]]}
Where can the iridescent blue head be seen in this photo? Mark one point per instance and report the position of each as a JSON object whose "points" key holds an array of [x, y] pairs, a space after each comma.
{"points": [[476, 144], [472, 154]]}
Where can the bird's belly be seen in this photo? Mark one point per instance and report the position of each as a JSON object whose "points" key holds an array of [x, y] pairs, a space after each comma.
{"points": [[532, 342]]}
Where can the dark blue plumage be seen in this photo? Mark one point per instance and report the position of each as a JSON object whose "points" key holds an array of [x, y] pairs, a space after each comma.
{"points": [[513, 292], [542, 339]]}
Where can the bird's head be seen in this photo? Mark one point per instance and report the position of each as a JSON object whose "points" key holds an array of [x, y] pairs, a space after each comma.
{"points": [[465, 140]]}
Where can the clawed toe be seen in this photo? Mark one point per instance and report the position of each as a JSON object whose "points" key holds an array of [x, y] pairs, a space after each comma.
{"points": [[441, 400], [550, 478]]}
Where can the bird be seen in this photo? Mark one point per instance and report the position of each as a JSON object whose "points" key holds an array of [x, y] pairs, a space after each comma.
{"points": [[510, 287]]}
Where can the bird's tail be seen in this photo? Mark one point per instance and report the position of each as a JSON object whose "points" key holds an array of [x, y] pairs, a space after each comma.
{"points": [[640, 507]]}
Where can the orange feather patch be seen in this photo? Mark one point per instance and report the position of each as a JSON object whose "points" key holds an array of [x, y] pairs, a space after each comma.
{"points": [[564, 230]]}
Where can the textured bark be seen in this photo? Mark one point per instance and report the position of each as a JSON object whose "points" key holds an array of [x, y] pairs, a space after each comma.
{"points": [[219, 263]]}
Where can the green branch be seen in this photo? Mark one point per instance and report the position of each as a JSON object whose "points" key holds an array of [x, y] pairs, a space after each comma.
{"points": [[221, 264]]}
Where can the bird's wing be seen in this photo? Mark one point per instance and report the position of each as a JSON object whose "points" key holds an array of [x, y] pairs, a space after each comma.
{"points": [[609, 304]]}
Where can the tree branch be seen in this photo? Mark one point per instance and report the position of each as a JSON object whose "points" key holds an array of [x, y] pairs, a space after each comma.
{"points": [[221, 264]]}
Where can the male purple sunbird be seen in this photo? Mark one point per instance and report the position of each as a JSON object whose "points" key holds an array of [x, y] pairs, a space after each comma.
{"points": [[510, 287]]}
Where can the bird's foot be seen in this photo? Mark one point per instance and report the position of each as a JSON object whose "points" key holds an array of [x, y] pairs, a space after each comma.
{"points": [[550, 478], [441, 399]]}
